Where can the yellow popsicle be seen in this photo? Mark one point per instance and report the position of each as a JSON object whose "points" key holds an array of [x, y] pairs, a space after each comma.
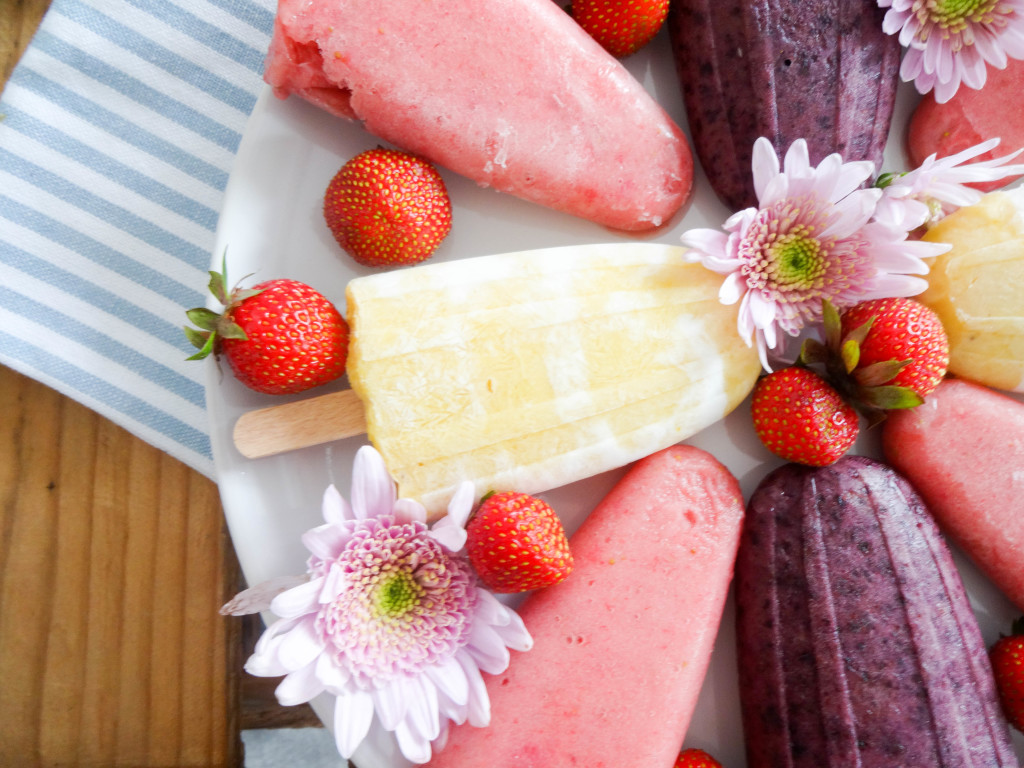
{"points": [[531, 370], [977, 289]]}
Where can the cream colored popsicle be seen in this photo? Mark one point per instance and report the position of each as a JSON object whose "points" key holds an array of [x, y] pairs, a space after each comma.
{"points": [[531, 370], [622, 645], [976, 289]]}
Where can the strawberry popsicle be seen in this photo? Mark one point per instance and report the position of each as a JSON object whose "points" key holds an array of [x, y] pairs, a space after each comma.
{"points": [[622, 645], [972, 116], [510, 93], [963, 450]]}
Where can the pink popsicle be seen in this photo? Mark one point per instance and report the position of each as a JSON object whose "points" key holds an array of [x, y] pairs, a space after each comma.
{"points": [[963, 450], [510, 93], [622, 645], [971, 117]]}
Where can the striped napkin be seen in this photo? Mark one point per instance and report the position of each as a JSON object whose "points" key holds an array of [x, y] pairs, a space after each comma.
{"points": [[117, 134]]}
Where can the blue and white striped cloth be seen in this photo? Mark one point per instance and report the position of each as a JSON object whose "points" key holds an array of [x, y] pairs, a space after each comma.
{"points": [[117, 135]]}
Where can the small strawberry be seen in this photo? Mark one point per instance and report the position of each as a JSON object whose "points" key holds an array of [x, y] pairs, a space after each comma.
{"points": [[1007, 655], [622, 27], [900, 330], [388, 208], [279, 337], [801, 417], [696, 758], [516, 543]]}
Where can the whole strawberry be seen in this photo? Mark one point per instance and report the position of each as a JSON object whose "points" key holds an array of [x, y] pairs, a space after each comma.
{"points": [[517, 543], [622, 27], [388, 208], [800, 417], [1007, 655], [901, 330], [696, 758], [279, 337]]}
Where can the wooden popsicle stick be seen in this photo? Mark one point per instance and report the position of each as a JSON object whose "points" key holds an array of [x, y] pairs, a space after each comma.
{"points": [[301, 424]]}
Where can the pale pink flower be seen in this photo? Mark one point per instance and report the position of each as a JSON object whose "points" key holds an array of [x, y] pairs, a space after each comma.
{"points": [[391, 620], [937, 187], [948, 43], [811, 238]]}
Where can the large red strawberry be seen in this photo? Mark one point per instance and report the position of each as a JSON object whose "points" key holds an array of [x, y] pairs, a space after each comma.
{"points": [[1007, 655], [279, 337], [696, 758], [516, 543], [388, 208], [901, 330], [622, 27], [800, 417]]}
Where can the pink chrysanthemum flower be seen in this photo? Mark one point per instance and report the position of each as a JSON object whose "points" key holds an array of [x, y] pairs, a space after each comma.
{"points": [[391, 619], [811, 238], [949, 42], [937, 187]]}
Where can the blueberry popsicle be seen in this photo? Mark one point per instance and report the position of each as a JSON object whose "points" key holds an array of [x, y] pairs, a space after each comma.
{"points": [[510, 93], [856, 642], [622, 645]]}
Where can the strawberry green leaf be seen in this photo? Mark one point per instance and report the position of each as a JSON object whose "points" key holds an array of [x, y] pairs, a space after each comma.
{"points": [[812, 351], [246, 293], [204, 341], [218, 287], [891, 398], [231, 330], [851, 354], [833, 325], [205, 318], [880, 373], [860, 333]]}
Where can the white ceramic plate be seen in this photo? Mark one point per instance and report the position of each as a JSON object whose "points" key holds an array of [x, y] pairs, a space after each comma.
{"points": [[271, 226]]}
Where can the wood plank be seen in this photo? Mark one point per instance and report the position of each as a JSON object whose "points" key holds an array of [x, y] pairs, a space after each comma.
{"points": [[113, 562]]}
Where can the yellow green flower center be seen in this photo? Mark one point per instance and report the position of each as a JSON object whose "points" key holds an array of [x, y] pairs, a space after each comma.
{"points": [[795, 260], [954, 16], [396, 594]]}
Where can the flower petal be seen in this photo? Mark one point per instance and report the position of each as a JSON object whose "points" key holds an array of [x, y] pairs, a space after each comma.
{"points": [[450, 530], [258, 598], [334, 583], [391, 701], [353, 714], [297, 600], [326, 541], [412, 744], [422, 713], [764, 166], [450, 680], [487, 649], [373, 490], [409, 511], [514, 634], [334, 507], [479, 705], [732, 289], [300, 645], [334, 678], [299, 686]]}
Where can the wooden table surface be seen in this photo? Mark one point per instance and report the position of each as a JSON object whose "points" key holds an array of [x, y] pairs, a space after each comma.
{"points": [[114, 560]]}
